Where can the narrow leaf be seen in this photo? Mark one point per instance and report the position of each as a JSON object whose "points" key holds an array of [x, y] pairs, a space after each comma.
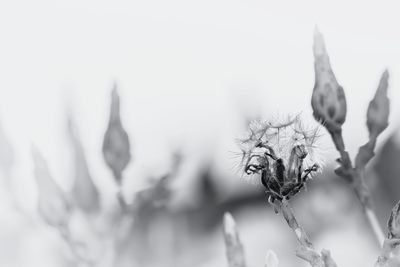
{"points": [[52, 203], [84, 191], [378, 109]]}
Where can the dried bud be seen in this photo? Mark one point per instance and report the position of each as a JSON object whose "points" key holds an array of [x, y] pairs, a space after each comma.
{"points": [[271, 260], [116, 148], [234, 248], [84, 191], [394, 222], [378, 109], [52, 204], [328, 98]]}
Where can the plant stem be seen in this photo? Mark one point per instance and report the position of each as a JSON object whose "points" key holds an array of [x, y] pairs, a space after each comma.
{"points": [[373, 221], [306, 249], [355, 175], [74, 247], [121, 199]]}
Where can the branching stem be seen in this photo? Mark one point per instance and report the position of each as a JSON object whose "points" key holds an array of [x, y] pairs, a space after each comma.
{"points": [[355, 175]]}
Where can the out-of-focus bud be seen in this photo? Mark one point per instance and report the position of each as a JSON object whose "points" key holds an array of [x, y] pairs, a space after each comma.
{"points": [[327, 259], [378, 109], [328, 99], [116, 147], [6, 154], [393, 262], [271, 260], [234, 247], [52, 204], [394, 222], [84, 191]]}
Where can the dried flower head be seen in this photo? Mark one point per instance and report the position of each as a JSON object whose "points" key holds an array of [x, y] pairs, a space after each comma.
{"points": [[281, 155]]}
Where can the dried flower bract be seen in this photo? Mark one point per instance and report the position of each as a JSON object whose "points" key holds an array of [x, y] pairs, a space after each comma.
{"points": [[282, 155]]}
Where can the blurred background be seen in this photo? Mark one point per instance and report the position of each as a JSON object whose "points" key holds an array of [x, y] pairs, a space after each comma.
{"points": [[190, 76]]}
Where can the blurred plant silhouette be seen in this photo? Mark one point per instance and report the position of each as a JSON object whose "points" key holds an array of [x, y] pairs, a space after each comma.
{"points": [[84, 191], [282, 155], [116, 146], [105, 233]]}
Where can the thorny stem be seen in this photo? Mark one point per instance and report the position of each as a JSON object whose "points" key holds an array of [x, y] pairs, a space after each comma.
{"points": [[356, 177], [306, 249]]}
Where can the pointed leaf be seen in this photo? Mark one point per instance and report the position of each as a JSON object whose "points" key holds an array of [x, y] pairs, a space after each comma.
{"points": [[378, 109], [84, 191], [52, 204]]}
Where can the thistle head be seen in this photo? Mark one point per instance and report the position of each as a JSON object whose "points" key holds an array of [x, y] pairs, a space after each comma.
{"points": [[281, 155]]}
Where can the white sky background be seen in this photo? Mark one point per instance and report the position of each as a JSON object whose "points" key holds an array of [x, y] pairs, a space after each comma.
{"points": [[186, 71]]}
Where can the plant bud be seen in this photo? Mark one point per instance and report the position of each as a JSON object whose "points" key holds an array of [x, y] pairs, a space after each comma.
{"points": [[378, 109], [271, 260], [233, 245], [394, 222], [328, 98], [116, 147]]}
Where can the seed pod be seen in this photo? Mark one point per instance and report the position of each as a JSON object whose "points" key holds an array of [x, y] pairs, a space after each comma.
{"points": [[394, 222], [116, 147], [328, 98], [52, 204], [378, 109]]}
